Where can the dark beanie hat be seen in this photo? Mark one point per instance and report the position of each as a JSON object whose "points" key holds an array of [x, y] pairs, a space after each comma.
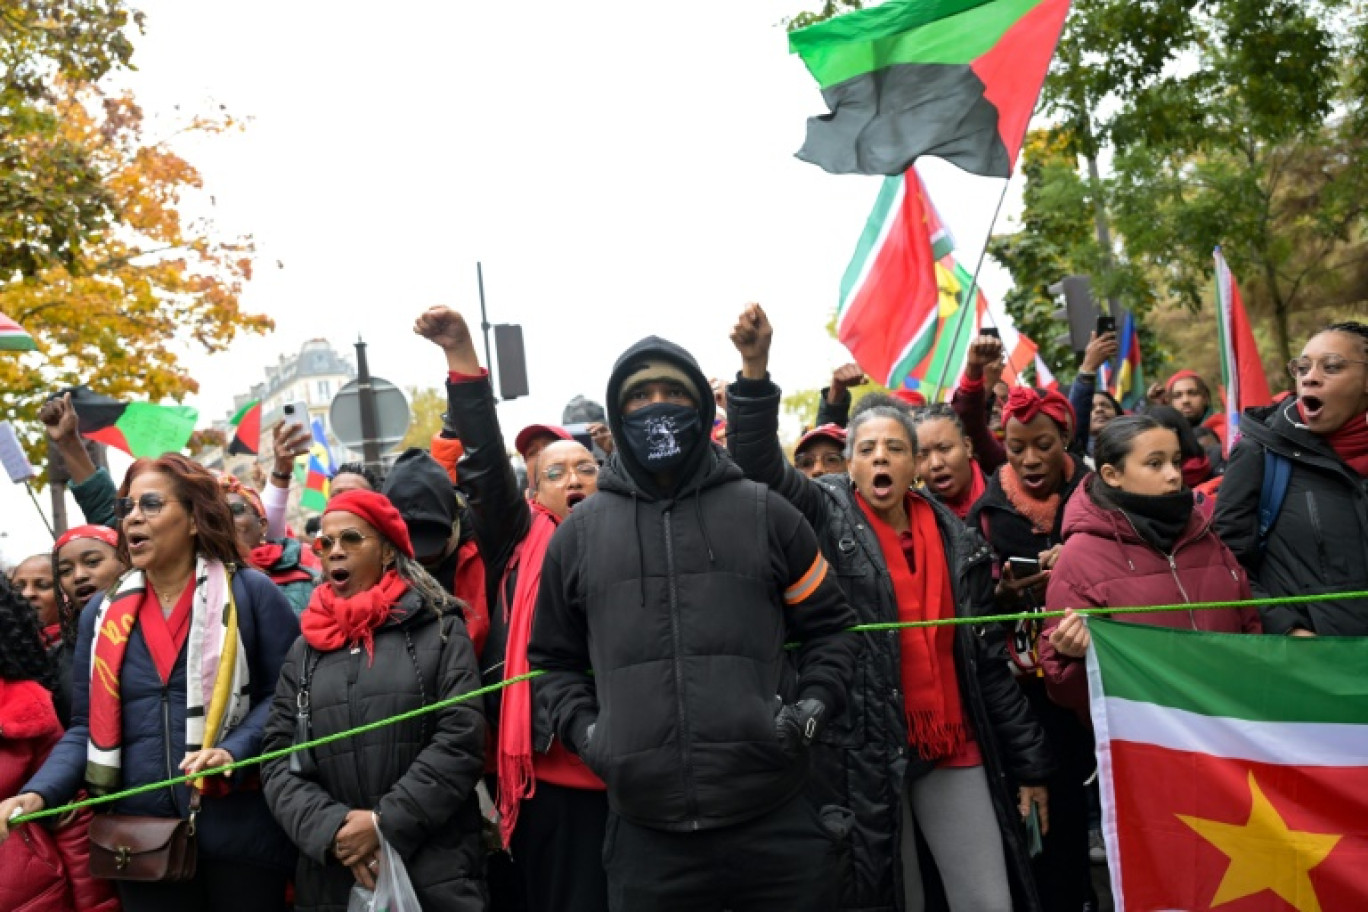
{"points": [[421, 491]]}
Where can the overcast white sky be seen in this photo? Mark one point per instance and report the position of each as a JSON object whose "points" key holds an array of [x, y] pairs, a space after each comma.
{"points": [[621, 169]]}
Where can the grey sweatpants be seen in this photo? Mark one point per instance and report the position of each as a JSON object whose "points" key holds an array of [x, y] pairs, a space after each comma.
{"points": [[954, 810]]}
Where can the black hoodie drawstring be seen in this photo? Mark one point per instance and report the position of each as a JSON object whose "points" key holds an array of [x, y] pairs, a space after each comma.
{"points": [[698, 508]]}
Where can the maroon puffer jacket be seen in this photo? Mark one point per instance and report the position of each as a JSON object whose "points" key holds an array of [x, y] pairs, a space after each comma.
{"points": [[41, 870], [1105, 563]]}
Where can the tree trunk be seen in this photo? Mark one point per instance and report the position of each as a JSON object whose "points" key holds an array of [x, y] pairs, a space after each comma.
{"points": [[1280, 314]]}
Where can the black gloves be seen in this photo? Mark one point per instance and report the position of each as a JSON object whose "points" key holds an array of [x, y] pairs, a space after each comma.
{"points": [[798, 723]]}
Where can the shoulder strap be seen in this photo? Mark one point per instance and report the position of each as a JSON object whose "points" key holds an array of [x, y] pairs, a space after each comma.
{"points": [[1277, 473]]}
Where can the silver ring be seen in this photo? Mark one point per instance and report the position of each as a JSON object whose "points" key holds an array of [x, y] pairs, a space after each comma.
{"points": [[373, 864]]}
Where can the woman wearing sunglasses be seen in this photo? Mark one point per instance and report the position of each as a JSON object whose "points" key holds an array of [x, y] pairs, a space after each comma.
{"points": [[280, 559], [186, 651], [381, 638], [1302, 463]]}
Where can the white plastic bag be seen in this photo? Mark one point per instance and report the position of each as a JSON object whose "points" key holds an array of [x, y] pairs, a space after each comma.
{"points": [[393, 890]]}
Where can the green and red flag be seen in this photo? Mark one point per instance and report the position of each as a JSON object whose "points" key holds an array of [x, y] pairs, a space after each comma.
{"points": [[889, 310], [1242, 375], [1234, 768], [14, 337], [140, 429], [247, 429], [957, 79]]}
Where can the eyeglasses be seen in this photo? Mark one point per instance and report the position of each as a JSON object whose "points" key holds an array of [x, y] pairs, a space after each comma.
{"points": [[1330, 365], [150, 504], [348, 539], [830, 460], [557, 472], [239, 508]]}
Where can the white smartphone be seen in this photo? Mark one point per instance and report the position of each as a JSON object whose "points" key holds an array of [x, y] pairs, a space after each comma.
{"points": [[297, 413]]}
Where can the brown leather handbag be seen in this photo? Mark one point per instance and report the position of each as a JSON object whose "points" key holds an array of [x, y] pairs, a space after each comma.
{"points": [[123, 847]]}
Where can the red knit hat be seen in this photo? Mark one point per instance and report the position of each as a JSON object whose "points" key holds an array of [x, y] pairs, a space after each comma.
{"points": [[1185, 375], [99, 533], [376, 509], [1024, 403]]}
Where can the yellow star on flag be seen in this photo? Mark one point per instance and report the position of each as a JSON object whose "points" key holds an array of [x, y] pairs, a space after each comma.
{"points": [[1265, 855]]}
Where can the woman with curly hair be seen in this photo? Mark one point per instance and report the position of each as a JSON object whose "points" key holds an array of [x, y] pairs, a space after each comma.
{"points": [[41, 869], [174, 670], [85, 561]]}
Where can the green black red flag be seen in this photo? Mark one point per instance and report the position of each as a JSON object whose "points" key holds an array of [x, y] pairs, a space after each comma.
{"points": [[140, 429], [247, 433], [956, 79]]}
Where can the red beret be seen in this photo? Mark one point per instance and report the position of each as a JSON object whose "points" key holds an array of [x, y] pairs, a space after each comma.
{"points": [[1024, 403], [376, 509], [99, 533]]}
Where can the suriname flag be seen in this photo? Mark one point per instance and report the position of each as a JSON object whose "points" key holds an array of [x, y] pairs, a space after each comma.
{"points": [[1234, 768]]}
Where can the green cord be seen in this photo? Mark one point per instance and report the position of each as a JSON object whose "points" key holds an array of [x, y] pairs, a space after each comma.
{"points": [[859, 628]]}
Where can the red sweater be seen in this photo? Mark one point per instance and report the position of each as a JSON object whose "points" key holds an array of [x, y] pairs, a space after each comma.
{"points": [[1106, 563], [48, 869]]}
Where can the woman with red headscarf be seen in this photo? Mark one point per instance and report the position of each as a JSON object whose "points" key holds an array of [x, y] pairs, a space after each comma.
{"points": [[381, 638], [85, 562], [281, 559], [1022, 516]]}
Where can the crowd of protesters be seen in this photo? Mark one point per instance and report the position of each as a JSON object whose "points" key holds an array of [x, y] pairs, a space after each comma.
{"points": [[672, 710]]}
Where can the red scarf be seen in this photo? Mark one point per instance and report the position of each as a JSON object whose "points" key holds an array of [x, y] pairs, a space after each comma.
{"points": [[52, 635], [165, 634], [977, 485], [931, 697], [516, 779], [1350, 442], [266, 555], [1041, 513], [1196, 470], [331, 622]]}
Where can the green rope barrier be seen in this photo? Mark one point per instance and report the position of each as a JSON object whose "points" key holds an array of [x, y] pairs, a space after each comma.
{"points": [[858, 628]]}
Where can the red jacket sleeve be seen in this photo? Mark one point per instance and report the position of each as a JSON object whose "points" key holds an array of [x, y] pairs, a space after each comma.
{"points": [[89, 894], [1066, 678]]}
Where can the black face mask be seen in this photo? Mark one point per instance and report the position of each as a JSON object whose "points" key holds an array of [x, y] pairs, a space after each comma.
{"points": [[661, 436]]}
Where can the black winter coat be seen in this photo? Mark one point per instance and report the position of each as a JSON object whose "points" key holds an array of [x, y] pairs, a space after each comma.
{"points": [[419, 775], [1319, 542], [502, 521], [862, 761], [677, 600]]}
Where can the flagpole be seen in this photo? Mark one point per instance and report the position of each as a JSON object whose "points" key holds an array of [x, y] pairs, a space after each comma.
{"points": [[39, 507], [970, 300]]}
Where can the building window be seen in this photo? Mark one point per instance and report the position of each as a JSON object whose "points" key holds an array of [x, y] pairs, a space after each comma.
{"points": [[324, 391]]}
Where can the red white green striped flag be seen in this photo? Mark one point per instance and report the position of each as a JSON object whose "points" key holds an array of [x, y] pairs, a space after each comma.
{"points": [[14, 337], [1234, 768], [1242, 372], [889, 310]]}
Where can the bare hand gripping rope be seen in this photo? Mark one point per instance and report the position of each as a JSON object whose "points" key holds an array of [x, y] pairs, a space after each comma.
{"points": [[859, 628]]}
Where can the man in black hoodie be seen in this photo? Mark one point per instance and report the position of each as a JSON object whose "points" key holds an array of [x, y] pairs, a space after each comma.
{"points": [[679, 584]]}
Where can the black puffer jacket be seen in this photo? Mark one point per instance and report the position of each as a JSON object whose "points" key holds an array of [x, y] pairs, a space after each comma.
{"points": [[863, 760], [1319, 542], [420, 775], [677, 602]]}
